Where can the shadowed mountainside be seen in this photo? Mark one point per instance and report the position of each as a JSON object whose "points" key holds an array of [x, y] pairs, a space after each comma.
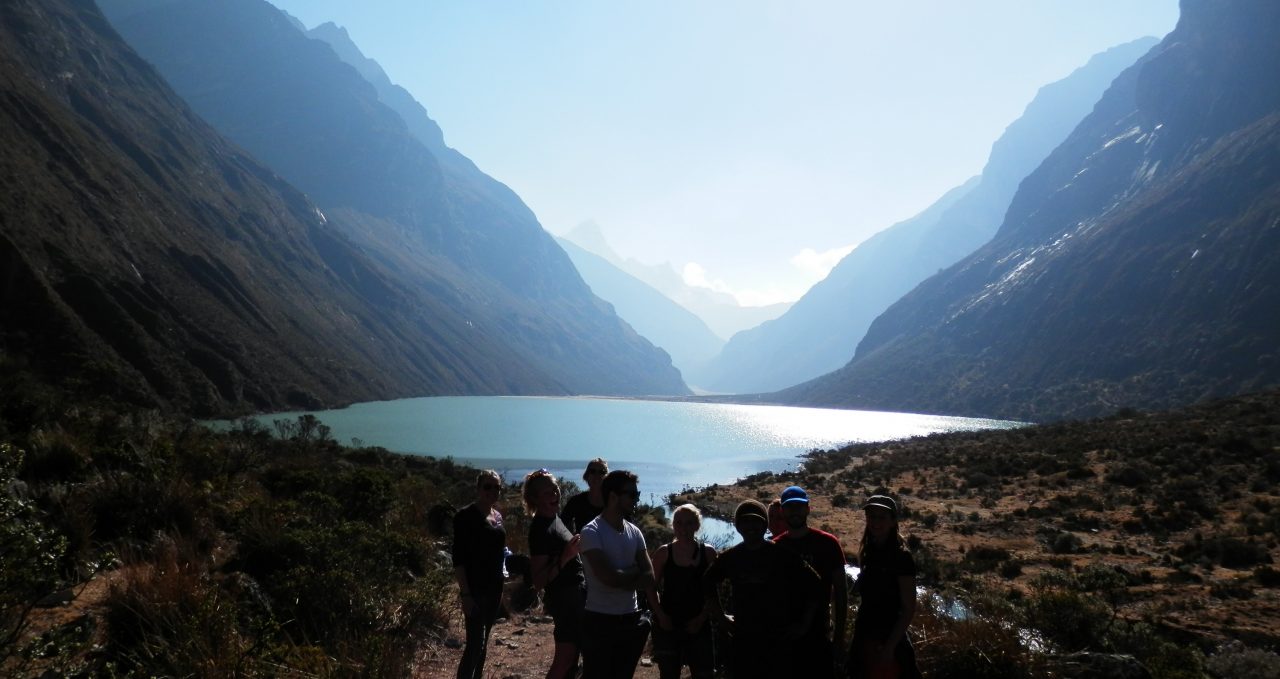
{"points": [[820, 332], [1139, 265], [149, 261], [412, 206]]}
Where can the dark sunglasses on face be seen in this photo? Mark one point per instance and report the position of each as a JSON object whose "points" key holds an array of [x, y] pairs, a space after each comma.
{"points": [[596, 471], [490, 486]]}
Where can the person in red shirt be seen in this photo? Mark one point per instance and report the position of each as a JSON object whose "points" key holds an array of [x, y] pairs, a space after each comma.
{"points": [[822, 647]]}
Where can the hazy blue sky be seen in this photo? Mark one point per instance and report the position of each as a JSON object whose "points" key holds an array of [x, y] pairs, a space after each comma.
{"points": [[745, 141]]}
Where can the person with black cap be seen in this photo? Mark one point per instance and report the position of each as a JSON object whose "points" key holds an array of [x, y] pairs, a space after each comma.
{"points": [[880, 648], [822, 645], [770, 598]]}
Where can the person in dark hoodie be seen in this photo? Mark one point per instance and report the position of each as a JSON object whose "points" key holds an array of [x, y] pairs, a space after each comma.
{"points": [[771, 598]]}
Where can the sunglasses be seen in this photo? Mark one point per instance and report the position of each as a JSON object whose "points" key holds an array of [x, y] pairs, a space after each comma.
{"points": [[597, 471], [490, 486]]}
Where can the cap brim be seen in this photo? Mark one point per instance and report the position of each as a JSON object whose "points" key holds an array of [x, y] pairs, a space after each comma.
{"points": [[795, 499], [877, 505]]}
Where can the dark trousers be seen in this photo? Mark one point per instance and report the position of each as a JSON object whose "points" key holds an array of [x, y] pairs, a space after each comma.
{"points": [[478, 626], [754, 654], [676, 648], [612, 644], [814, 656]]}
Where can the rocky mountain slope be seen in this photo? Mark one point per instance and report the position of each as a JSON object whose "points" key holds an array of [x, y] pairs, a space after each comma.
{"points": [[820, 332], [148, 260], [1139, 265]]}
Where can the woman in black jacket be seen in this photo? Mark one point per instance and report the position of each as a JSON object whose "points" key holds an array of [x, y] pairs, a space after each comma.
{"points": [[479, 553]]}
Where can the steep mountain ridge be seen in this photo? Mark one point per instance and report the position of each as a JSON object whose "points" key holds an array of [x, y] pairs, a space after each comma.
{"points": [[820, 332], [290, 100], [1139, 265]]}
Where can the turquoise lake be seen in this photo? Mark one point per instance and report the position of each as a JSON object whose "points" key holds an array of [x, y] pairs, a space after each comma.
{"points": [[670, 445]]}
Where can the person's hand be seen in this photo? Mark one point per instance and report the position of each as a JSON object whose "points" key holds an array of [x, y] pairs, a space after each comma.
{"points": [[695, 624], [727, 621], [573, 547], [664, 620]]}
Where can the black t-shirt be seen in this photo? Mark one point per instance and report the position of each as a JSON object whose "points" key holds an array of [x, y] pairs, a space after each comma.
{"points": [[878, 588], [769, 585], [579, 511], [479, 547], [682, 592], [548, 537]]}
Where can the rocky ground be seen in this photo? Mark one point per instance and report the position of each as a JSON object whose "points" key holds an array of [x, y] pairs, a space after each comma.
{"points": [[1185, 505]]}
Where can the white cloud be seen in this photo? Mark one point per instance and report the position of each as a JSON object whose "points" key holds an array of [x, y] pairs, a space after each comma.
{"points": [[695, 275], [816, 265]]}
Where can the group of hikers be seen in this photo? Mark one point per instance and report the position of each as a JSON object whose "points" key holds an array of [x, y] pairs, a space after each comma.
{"points": [[783, 612]]}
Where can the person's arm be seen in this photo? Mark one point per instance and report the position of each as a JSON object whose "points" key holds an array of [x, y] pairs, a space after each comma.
{"points": [[461, 549], [839, 603], [644, 568], [628, 578], [696, 622], [651, 592], [906, 611], [546, 567], [711, 580]]}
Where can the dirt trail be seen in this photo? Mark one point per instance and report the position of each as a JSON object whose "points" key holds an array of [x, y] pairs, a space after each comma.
{"points": [[520, 648]]}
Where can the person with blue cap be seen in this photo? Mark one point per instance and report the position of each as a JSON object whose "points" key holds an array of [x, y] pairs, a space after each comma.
{"points": [[821, 649]]}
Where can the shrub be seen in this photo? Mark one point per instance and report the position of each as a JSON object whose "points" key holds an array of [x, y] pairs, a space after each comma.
{"points": [[30, 556], [1237, 661], [1065, 543]]}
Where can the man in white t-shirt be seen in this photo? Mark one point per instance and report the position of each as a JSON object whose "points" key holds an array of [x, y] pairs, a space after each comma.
{"points": [[616, 565]]}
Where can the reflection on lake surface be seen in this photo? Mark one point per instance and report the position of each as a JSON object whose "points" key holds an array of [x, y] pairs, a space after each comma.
{"points": [[670, 445]]}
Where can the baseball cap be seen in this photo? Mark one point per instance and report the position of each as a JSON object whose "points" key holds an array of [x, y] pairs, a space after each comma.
{"points": [[750, 508], [794, 494], [883, 502]]}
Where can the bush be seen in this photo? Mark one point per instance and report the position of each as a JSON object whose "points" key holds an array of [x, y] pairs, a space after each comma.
{"points": [[1237, 661], [30, 556], [1065, 543]]}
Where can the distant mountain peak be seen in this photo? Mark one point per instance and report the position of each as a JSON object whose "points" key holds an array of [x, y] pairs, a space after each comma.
{"points": [[590, 237]]}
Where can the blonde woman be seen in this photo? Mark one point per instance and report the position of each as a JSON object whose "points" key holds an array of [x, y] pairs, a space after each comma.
{"points": [[681, 635], [557, 570], [479, 551]]}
